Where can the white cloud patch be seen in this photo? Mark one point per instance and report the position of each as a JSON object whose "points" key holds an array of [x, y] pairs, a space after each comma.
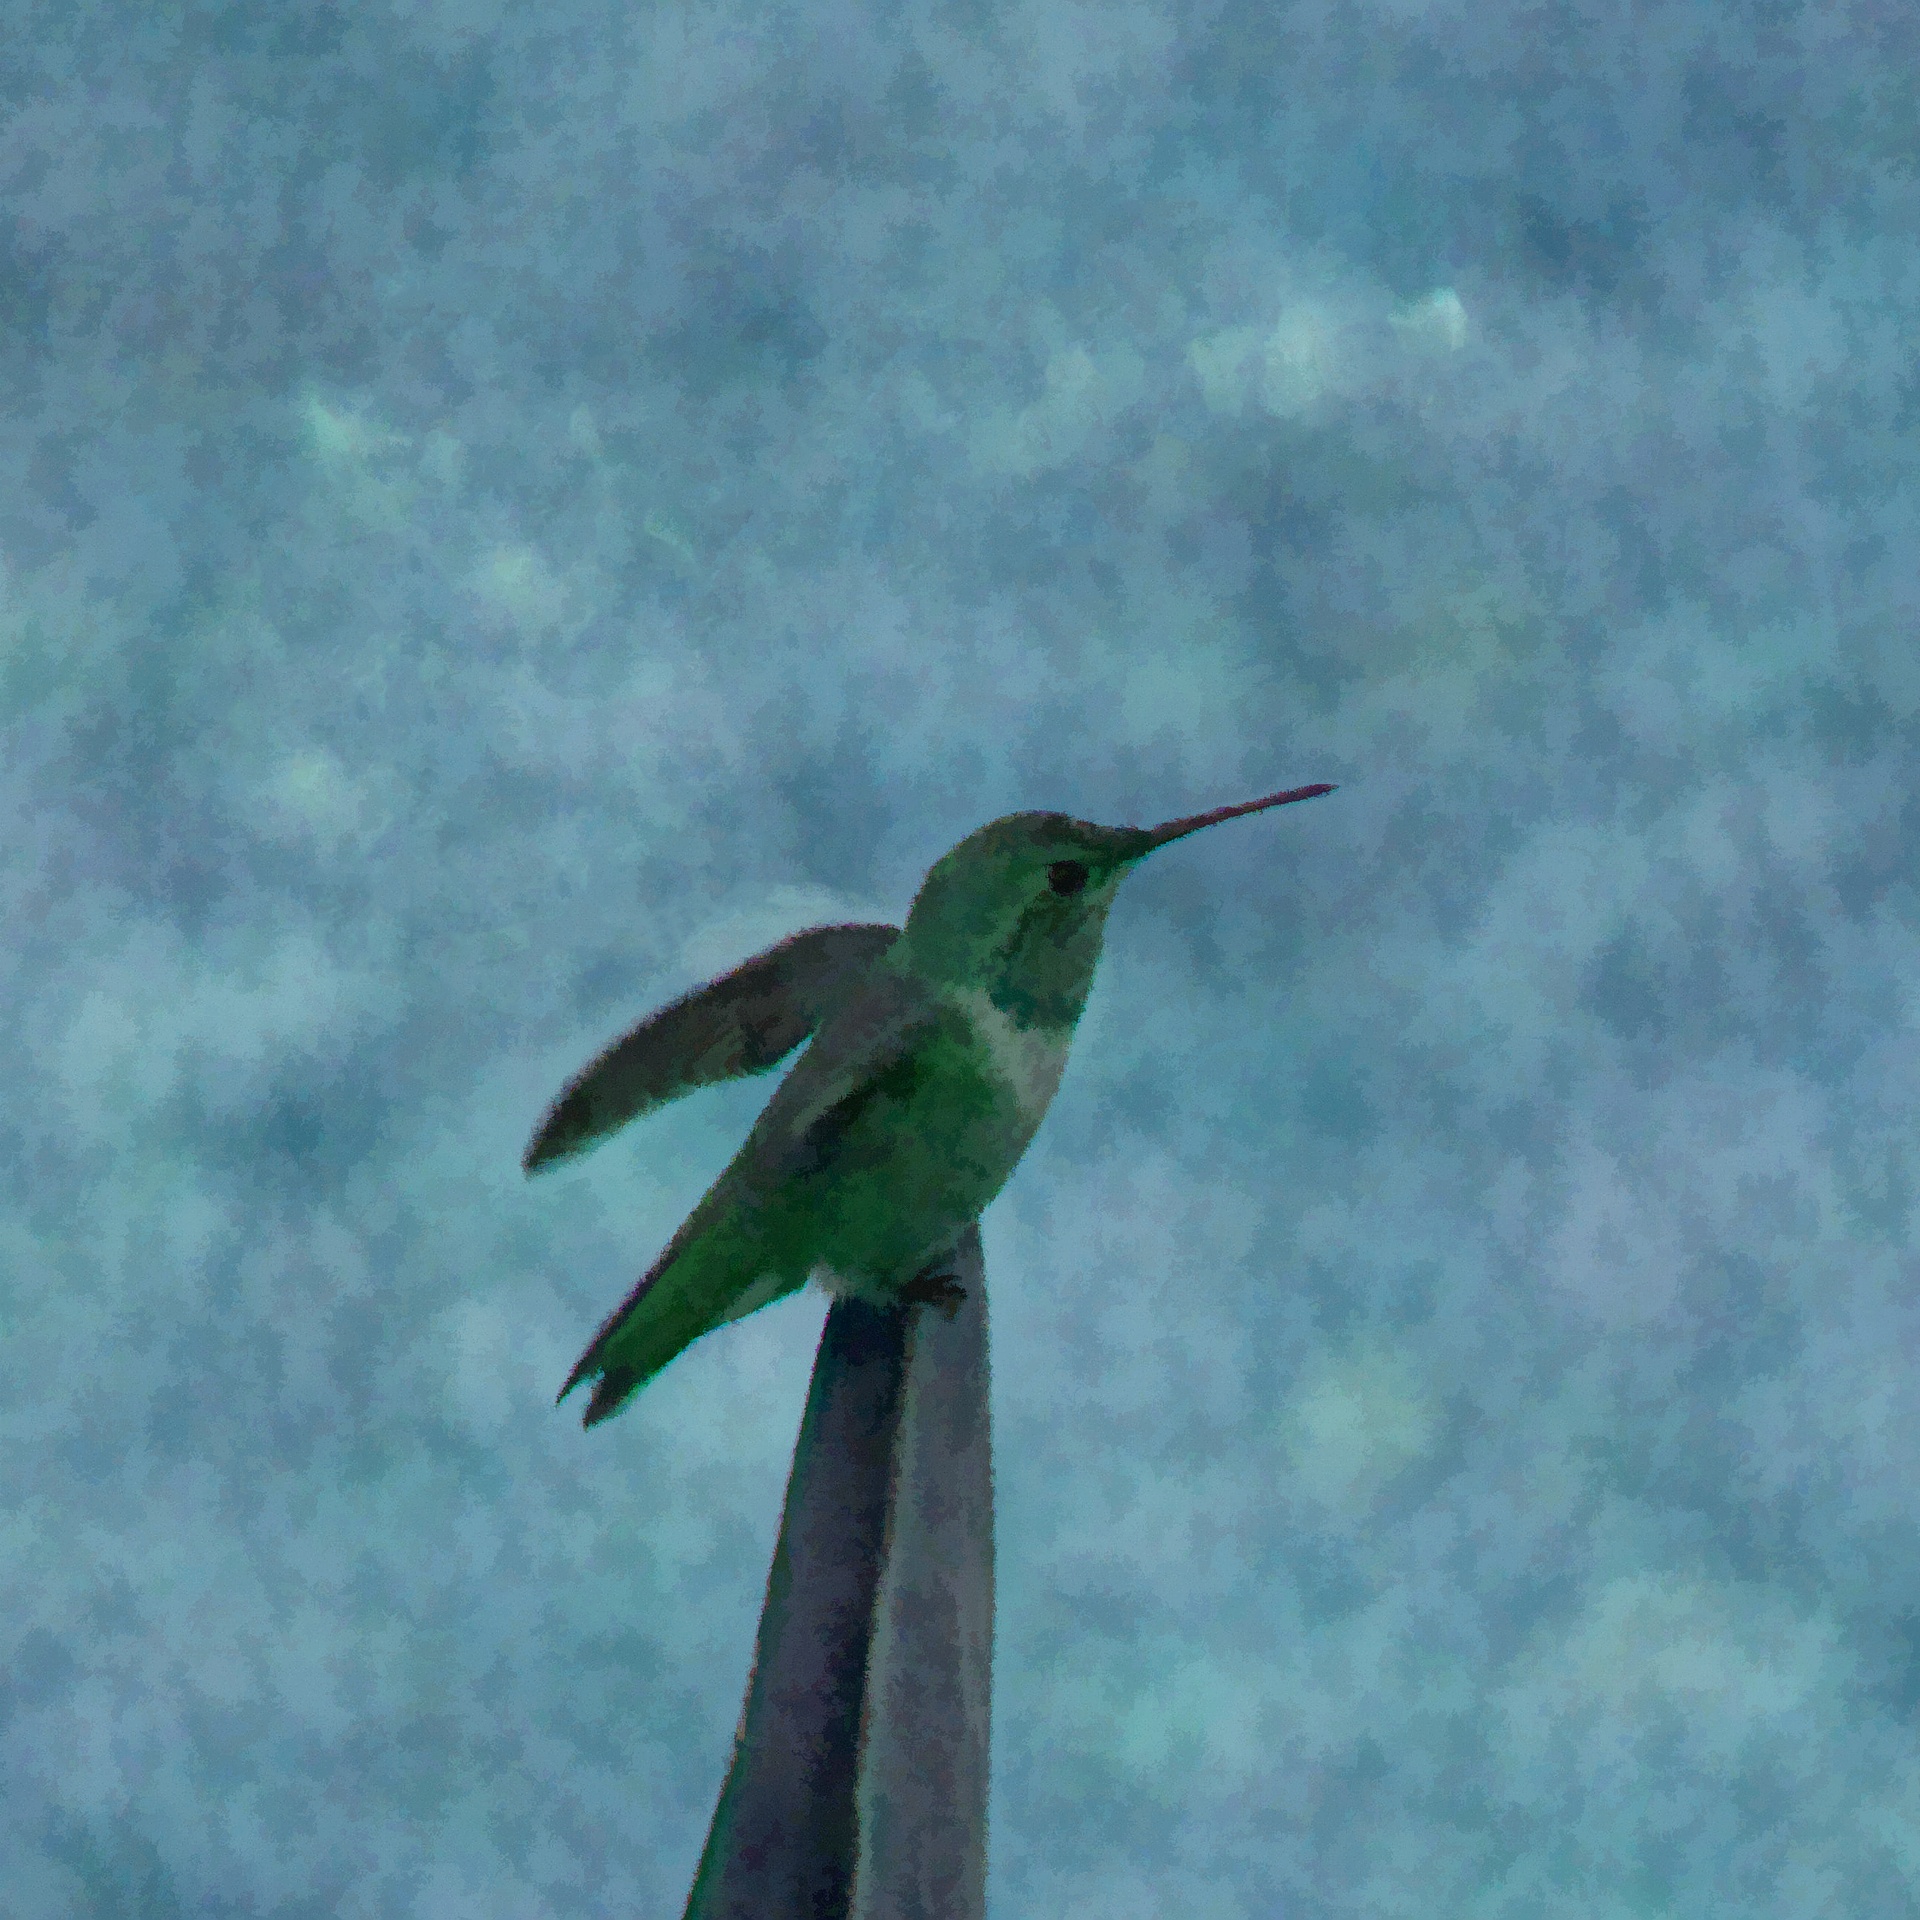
{"points": [[1729, 1668], [1080, 393], [228, 1018], [313, 795], [1355, 1423], [366, 463], [1436, 322], [516, 586], [1285, 368]]}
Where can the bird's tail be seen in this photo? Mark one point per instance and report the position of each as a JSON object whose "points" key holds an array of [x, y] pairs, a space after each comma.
{"points": [[688, 1291]]}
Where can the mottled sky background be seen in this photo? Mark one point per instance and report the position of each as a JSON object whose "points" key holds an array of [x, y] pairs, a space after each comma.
{"points": [[506, 511]]}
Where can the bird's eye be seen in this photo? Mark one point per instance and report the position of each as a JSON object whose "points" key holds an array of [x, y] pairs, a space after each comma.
{"points": [[1066, 876]]}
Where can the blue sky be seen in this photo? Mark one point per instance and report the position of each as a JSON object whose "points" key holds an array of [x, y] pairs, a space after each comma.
{"points": [[504, 512]]}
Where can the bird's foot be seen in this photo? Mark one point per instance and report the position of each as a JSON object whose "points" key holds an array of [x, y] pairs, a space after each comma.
{"points": [[935, 1287]]}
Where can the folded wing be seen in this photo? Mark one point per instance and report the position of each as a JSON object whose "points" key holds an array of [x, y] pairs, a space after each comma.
{"points": [[744, 1022]]}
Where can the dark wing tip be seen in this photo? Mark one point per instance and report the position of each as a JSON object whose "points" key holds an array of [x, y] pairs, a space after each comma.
{"points": [[611, 1390], [610, 1393], [557, 1137], [585, 1365]]}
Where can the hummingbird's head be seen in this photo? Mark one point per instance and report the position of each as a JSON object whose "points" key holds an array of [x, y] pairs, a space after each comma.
{"points": [[1018, 909]]}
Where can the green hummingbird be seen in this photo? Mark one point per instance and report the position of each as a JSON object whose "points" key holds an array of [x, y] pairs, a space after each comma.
{"points": [[936, 1049]]}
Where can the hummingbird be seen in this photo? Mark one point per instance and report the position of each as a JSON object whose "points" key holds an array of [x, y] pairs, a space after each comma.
{"points": [[935, 1050]]}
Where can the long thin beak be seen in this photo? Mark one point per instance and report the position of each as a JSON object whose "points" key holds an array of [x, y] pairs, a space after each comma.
{"points": [[1159, 836]]}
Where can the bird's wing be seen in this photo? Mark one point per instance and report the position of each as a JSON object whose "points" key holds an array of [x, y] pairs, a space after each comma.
{"points": [[744, 1022], [868, 1048]]}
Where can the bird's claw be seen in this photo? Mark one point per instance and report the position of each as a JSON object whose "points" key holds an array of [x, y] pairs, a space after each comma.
{"points": [[935, 1287]]}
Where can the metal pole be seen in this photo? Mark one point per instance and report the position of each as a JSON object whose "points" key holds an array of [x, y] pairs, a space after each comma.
{"points": [[858, 1789]]}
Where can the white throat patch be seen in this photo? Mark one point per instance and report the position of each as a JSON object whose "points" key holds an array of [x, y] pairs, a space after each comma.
{"points": [[1029, 1059]]}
